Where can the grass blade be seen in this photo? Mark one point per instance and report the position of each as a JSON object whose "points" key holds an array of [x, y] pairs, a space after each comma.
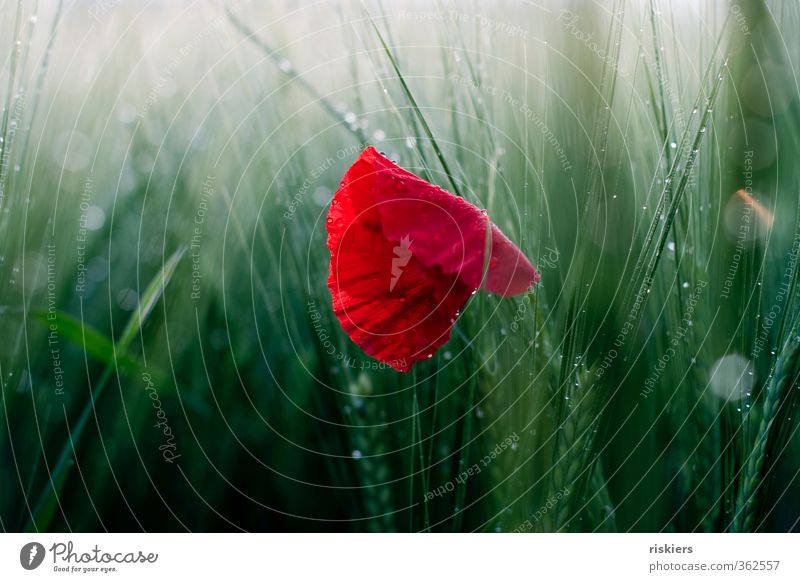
{"points": [[48, 500]]}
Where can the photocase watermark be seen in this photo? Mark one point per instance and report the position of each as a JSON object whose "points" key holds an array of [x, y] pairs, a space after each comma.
{"points": [[508, 442], [523, 108], [82, 235], [569, 20], [491, 24], [67, 559], [100, 8], [300, 196], [206, 192], [522, 309], [743, 233], [780, 299], [326, 342], [31, 555], [740, 19], [94, 560], [51, 315], [324, 337], [677, 336], [548, 261], [627, 327], [376, 365], [402, 254], [158, 90], [551, 502], [168, 448], [7, 146]]}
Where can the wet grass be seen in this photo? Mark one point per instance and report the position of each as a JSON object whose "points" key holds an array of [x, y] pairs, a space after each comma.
{"points": [[171, 361]]}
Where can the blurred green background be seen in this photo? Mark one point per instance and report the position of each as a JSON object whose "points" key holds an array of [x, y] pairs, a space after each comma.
{"points": [[169, 358]]}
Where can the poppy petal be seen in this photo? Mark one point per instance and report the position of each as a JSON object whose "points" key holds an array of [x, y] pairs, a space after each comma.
{"points": [[406, 256]]}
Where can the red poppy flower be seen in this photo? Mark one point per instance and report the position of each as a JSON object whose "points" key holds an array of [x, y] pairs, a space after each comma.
{"points": [[405, 258]]}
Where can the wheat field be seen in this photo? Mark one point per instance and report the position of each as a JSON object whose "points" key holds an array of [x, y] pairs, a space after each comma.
{"points": [[170, 360]]}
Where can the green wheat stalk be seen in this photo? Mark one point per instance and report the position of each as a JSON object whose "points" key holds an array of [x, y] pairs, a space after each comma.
{"points": [[45, 507], [781, 394], [572, 454]]}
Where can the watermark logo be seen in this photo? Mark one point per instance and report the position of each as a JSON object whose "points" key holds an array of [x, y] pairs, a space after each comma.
{"points": [[31, 555], [66, 558], [402, 254], [570, 22]]}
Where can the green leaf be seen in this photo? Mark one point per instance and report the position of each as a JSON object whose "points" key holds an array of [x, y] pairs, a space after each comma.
{"points": [[48, 499], [89, 339], [148, 300]]}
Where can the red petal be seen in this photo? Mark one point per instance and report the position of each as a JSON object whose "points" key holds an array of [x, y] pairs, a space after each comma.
{"points": [[405, 257]]}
